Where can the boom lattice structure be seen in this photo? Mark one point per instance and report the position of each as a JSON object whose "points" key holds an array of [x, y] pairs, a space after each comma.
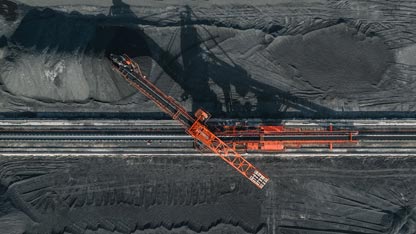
{"points": [[195, 126]]}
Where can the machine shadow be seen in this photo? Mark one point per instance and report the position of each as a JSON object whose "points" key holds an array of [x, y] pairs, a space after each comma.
{"points": [[209, 81], [201, 70]]}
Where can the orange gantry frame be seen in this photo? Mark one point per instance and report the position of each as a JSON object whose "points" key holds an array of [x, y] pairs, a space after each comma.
{"points": [[195, 127], [278, 138]]}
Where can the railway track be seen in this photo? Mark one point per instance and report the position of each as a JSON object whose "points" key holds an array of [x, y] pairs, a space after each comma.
{"points": [[152, 137], [180, 135]]}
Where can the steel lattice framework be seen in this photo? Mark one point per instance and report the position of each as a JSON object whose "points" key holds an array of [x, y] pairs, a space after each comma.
{"points": [[194, 126]]}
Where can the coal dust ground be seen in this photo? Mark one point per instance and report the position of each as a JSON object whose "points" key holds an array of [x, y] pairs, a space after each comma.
{"points": [[265, 59], [204, 195]]}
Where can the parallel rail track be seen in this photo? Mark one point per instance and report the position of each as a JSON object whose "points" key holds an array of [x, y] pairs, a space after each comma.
{"points": [[175, 134]]}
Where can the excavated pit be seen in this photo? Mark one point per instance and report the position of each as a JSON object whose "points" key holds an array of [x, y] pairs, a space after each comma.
{"points": [[338, 61]]}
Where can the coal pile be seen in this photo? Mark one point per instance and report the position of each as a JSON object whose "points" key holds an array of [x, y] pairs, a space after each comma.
{"points": [[236, 59], [332, 61], [204, 195]]}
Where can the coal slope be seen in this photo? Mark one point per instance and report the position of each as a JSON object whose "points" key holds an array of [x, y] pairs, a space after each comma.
{"points": [[203, 195], [334, 59]]}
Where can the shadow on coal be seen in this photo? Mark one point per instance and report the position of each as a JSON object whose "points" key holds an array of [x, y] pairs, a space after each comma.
{"points": [[118, 32]]}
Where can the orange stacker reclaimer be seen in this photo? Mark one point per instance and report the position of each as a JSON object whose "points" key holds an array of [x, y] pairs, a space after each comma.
{"points": [[226, 141], [195, 126]]}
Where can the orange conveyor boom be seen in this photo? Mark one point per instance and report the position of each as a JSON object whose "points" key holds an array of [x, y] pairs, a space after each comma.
{"points": [[195, 127]]}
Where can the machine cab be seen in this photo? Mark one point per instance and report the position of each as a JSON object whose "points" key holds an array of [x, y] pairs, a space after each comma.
{"points": [[202, 115]]}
